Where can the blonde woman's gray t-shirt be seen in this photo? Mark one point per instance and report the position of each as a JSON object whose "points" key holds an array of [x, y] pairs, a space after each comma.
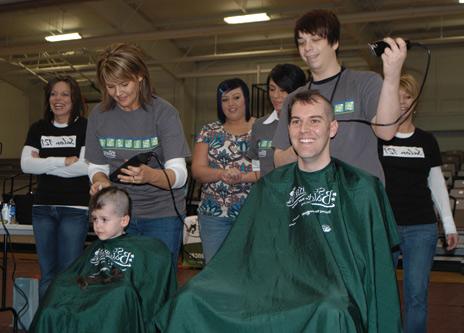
{"points": [[115, 136]]}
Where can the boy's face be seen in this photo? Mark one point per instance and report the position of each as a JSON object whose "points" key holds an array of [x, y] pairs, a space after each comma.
{"points": [[107, 224], [316, 51]]}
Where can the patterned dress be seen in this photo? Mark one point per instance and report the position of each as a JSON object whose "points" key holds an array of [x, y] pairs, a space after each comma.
{"points": [[225, 151]]}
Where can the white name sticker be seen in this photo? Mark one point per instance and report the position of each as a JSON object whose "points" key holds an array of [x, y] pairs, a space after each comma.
{"points": [[401, 151], [58, 141]]}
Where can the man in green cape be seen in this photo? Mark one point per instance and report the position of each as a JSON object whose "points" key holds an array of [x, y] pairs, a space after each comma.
{"points": [[309, 252], [117, 285]]}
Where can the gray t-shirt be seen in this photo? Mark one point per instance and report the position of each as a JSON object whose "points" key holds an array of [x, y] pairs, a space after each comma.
{"points": [[261, 144], [355, 97], [114, 136]]}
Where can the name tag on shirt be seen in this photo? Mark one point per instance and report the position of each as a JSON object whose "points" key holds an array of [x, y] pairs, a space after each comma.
{"points": [[65, 141], [401, 151]]}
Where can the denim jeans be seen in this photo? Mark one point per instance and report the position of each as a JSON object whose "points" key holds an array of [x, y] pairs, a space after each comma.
{"points": [[166, 229], [59, 234], [213, 232], [418, 246]]}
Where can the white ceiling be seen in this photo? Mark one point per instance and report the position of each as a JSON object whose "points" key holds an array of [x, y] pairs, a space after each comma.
{"points": [[182, 37]]}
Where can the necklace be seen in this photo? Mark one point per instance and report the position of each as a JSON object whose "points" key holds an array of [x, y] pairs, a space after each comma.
{"points": [[338, 76]]}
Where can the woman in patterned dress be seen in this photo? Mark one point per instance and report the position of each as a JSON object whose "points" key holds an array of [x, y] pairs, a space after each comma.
{"points": [[221, 165]]}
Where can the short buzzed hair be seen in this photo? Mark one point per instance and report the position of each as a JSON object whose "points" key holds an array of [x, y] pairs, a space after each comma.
{"points": [[118, 198], [310, 97]]}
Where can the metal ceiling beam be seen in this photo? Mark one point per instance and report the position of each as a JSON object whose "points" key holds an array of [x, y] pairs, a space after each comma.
{"points": [[234, 73], [239, 55], [361, 17], [15, 5]]}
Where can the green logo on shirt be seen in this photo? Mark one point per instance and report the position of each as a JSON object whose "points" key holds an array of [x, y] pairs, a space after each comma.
{"points": [[137, 144], [110, 142], [128, 144], [346, 107], [265, 144]]}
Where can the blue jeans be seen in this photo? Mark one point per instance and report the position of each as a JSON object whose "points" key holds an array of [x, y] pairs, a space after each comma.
{"points": [[213, 232], [166, 229], [59, 234], [418, 246]]}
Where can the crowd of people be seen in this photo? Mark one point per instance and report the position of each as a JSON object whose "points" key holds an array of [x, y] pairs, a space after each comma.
{"points": [[308, 248]]}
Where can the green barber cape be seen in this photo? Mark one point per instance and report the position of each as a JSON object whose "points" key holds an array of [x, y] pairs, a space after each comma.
{"points": [[117, 285], [309, 252]]}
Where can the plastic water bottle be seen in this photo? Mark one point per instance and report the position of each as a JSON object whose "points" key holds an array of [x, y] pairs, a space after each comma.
{"points": [[12, 211], [5, 213]]}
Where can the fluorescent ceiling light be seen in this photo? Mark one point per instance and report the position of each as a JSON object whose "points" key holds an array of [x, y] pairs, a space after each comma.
{"points": [[59, 38], [247, 18]]}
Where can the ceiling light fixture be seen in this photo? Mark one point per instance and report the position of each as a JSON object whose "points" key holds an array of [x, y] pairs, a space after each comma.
{"points": [[260, 17], [461, 1], [63, 37]]}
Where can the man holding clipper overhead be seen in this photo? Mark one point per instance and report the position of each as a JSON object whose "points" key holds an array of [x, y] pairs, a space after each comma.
{"points": [[355, 95]]}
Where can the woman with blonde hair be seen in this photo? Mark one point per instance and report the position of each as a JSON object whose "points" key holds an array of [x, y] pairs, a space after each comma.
{"points": [[415, 184], [129, 121]]}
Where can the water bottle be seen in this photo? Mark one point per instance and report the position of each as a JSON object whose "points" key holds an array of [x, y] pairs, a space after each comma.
{"points": [[12, 211], [5, 213]]}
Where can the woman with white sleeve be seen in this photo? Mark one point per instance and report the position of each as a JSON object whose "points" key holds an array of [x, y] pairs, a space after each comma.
{"points": [[415, 184], [54, 151], [132, 120]]}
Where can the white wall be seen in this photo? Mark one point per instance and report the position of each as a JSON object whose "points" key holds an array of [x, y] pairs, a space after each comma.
{"points": [[441, 108], [14, 120]]}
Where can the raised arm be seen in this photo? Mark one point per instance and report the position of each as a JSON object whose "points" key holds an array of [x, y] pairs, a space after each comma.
{"points": [[388, 109]]}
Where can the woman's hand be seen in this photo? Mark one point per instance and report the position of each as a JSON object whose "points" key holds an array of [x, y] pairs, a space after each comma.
{"points": [[70, 160], [99, 181], [98, 186], [135, 175], [451, 241], [231, 176]]}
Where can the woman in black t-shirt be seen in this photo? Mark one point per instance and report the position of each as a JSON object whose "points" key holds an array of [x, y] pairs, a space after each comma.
{"points": [[414, 184], [54, 151]]}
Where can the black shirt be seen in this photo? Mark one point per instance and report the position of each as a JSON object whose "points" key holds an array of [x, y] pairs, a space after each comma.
{"points": [[407, 163], [54, 141]]}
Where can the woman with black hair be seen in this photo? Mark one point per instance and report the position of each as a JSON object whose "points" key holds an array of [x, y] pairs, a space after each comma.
{"points": [[54, 151], [221, 165], [282, 80]]}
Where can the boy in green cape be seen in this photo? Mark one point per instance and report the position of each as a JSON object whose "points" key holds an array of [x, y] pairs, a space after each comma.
{"points": [[116, 285]]}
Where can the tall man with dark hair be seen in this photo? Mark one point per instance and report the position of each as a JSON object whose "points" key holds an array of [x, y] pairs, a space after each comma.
{"points": [[353, 94], [309, 252]]}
